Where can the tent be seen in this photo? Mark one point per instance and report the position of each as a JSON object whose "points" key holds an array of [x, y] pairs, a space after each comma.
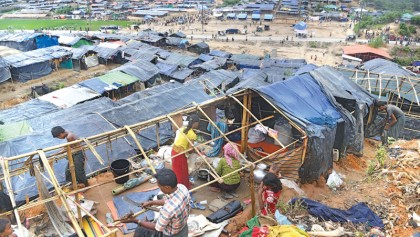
{"points": [[69, 96], [303, 101], [242, 16], [231, 16], [219, 53], [24, 41], [199, 48], [173, 72], [4, 71], [176, 41], [142, 70], [256, 17], [301, 26], [268, 17], [383, 66], [34, 64], [73, 41], [84, 58], [213, 64], [26, 110], [182, 60], [220, 79], [178, 34]]}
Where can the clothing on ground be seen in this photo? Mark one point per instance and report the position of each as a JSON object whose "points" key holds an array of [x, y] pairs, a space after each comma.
{"points": [[286, 231], [174, 213], [358, 214], [215, 151], [223, 169], [180, 168], [79, 168]]}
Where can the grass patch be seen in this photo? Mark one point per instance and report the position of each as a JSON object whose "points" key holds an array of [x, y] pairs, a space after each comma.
{"points": [[31, 24]]}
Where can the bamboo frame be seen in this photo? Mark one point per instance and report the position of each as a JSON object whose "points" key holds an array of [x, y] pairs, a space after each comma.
{"points": [[74, 181], [107, 137]]}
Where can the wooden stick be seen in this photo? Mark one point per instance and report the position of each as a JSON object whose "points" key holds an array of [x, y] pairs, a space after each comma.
{"points": [[5, 167], [157, 135], [252, 189], [90, 215], [94, 152], [60, 193], [244, 134], [74, 182], [141, 148]]}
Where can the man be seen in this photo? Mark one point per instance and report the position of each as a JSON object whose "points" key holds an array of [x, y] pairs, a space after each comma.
{"points": [[78, 156], [175, 209], [394, 121]]}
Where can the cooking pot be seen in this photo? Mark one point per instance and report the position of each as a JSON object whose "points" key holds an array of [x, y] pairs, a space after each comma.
{"points": [[259, 172], [203, 174]]}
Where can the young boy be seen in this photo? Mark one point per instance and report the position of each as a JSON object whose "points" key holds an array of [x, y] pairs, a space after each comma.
{"points": [[78, 157], [269, 194]]}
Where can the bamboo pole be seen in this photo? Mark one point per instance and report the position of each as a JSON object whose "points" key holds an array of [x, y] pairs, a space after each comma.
{"points": [[74, 181], [244, 134], [94, 152], [157, 135], [250, 113], [5, 166], [60, 193], [90, 215], [141, 148], [214, 174], [252, 190]]}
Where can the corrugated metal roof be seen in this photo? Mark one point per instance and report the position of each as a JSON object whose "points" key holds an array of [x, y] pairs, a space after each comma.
{"points": [[357, 49]]}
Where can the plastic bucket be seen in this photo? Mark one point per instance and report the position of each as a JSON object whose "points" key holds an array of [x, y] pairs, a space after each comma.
{"points": [[120, 167]]}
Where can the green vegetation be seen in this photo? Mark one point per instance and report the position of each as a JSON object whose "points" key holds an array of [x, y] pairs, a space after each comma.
{"points": [[369, 22], [415, 20], [30, 24], [405, 55], [377, 42], [230, 2], [381, 155], [407, 30], [395, 5], [64, 10]]}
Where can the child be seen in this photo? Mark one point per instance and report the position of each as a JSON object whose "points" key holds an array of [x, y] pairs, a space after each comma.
{"points": [[6, 228], [269, 194], [275, 169]]}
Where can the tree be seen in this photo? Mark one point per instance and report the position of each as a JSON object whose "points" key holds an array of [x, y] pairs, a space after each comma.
{"points": [[404, 31], [415, 20], [377, 42]]}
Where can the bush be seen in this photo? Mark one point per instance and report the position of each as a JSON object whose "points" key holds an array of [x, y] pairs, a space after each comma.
{"points": [[377, 42], [415, 20], [230, 2]]}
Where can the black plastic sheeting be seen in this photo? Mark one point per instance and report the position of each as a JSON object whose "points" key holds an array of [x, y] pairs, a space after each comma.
{"points": [[350, 98], [27, 110], [83, 127], [4, 71], [304, 102], [156, 90], [143, 70], [157, 105], [49, 120], [222, 79]]}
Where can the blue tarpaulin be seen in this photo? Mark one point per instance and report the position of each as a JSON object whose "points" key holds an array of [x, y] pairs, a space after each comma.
{"points": [[357, 214], [95, 84], [301, 26]]}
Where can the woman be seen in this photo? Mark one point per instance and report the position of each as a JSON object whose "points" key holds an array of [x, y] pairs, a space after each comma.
{"points": [[227, 165], [181, 144]]}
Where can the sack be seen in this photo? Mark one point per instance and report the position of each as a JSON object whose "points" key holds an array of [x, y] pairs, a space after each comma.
{"points": [[228, 211]]}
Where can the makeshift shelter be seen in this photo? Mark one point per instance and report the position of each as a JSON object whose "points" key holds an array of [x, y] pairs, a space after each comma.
{"points": [[24, 41], [199, 48], [219, 53], [242, 16], [84, 58], [16, 129], [152, 39], [4, 71], [177, 42], [365, 53], [300, 26], [256, 17], [231, 16], [268, 17], [73, 41], [220, 80], [173, 72], [6, 51], [26, 110], [107, 54], [182, 60], [69, 96], [178, 34], [37, 63], [382, 66], [144, 71], [213, 64]]}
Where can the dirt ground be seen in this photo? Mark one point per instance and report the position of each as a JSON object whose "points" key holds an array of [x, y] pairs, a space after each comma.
{"points": [[13, 93]]}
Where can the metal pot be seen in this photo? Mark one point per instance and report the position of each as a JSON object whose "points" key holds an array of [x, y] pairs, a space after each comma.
{"points": [[259, 173], [203, 174]]}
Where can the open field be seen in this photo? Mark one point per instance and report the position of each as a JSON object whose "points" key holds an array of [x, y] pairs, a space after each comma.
{"points": [[30, 24]]}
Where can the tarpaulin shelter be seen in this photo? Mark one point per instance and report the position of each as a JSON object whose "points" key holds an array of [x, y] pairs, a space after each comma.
{"points": [[199, 48], [6, 51], [176, 41], [4, 71], [303, 100], [382, 66], [107, 54], [213, 64], [27, 110], [256, 17], [301, 26], [219, 53], [69, 96], [24, 41], [110, 37], [355, 100], [178, 34], [182, 60], [36, 63], [73, 41], [84, 58], [156, 90], [205, 57], [268, 17], [144, 71], [15, 129], [242, 16], [231, 16], [220, 79], [173, 72]]}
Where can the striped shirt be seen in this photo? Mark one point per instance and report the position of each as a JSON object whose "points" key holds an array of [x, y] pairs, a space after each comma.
{"points": [[173, 215]]}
